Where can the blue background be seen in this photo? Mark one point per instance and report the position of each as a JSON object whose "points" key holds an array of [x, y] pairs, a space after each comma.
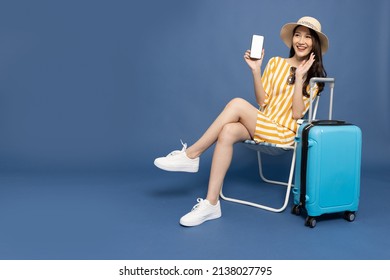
{"points": [[95, 84], [104, 87]]}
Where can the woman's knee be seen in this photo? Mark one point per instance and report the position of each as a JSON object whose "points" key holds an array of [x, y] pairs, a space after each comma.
{"points": [[239, 107], [237, 103], [231, 133]]}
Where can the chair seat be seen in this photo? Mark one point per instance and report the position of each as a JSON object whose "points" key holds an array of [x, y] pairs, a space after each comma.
{"points": [[268, 148]]}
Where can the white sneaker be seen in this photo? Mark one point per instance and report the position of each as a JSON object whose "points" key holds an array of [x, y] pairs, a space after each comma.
{"points": [[201, 212], [178, 161]]}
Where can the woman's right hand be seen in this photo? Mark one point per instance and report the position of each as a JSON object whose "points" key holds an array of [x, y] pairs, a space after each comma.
{"points": [[254, 64]]}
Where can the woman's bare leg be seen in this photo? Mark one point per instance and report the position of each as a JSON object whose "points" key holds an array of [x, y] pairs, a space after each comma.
{"points": [[222, 157], [237, 110]]}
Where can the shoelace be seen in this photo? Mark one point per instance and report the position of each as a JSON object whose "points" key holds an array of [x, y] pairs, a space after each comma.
{"points": [[199, 200], [177, 151]]}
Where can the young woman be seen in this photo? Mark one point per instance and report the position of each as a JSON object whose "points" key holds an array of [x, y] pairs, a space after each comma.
{"points": [[282, 92]]}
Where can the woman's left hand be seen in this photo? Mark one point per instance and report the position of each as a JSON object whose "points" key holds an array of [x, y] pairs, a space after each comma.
{"points": [[302, 69]]}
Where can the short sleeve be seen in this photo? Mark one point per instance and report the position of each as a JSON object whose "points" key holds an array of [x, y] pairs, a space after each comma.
{"points": [[266, 80]]}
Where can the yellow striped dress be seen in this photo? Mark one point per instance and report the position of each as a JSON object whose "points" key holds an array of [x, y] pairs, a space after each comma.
{"points": [[275, 123]]}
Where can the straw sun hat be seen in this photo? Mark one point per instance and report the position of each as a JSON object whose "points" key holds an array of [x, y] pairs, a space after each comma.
{"points": [[286, 33]]}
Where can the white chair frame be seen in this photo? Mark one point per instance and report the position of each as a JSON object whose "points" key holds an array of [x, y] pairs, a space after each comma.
{"points": [[273, 149]]}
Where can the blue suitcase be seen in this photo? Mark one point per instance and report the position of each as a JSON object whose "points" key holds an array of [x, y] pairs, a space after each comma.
{"points": [[327, 174]]}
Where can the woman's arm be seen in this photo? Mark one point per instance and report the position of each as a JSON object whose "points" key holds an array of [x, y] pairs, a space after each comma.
{"points": [[298, 106], [255, 66]]}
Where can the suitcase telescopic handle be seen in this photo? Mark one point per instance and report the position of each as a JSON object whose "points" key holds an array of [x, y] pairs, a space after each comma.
{"points": [[329, 81]]}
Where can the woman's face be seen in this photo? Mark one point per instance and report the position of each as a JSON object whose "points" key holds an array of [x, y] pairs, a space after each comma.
{"points": [[302, 42]]}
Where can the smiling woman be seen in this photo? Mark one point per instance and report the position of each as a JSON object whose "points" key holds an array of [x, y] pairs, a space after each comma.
{"points": [[307, 38], [282, 93], [302, 41]]}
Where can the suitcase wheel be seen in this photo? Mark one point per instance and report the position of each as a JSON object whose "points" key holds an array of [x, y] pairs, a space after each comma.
{"points": [[310, 222], [296, 210], [349, 216]]}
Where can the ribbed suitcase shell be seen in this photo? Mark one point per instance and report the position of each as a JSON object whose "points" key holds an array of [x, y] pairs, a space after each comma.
{"points": [[333, 169]]}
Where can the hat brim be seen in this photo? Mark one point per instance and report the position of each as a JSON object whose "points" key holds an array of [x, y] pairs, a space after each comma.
{"points": [[286, 33]]}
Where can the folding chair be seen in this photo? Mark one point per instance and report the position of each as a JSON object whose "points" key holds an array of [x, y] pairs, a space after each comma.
{"points": [[274, 149]]}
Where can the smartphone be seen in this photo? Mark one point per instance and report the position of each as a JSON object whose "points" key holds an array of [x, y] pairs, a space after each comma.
{"points": [[257, 46]]}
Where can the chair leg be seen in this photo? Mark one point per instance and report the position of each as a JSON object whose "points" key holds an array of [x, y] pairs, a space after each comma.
{"points": [[261, 206], [262, 174]]}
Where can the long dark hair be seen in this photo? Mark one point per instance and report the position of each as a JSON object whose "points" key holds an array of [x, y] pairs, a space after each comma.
{"points": [[317, 69]]}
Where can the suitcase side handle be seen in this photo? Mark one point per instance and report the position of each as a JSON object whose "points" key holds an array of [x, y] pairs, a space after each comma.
{"points": [[329, 81]]}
